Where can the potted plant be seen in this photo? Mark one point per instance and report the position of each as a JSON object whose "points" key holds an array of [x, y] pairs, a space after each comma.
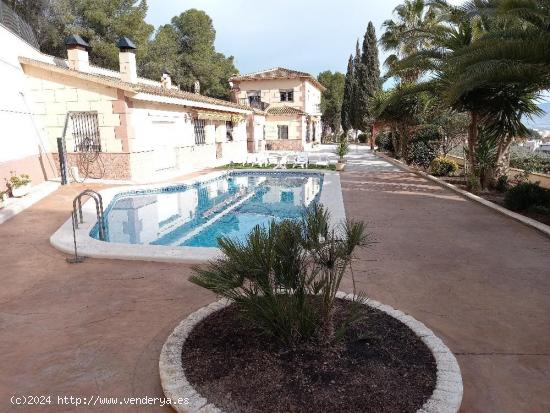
{"points": [[342, 149], [3, 197], [20, 185]]}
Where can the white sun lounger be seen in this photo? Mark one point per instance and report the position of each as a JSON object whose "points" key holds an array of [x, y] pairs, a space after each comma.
{"points": [[321, 161]]}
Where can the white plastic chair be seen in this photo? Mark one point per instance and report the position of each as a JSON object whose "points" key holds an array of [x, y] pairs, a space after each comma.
{"points": [[281, 162], [302, 160]]}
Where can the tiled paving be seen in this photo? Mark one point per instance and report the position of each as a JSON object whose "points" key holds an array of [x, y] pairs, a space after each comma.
{"points": [[478, 279]]}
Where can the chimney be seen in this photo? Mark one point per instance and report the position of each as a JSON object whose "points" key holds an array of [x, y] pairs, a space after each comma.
{"points": [[166, 80], [77, 53], [127, 58], [197, 87]]}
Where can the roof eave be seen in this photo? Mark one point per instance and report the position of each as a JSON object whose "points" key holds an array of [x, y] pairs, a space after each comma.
{"points": [[148, 97]]}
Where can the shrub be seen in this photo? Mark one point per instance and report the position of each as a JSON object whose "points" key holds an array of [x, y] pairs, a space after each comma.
{"points": [[527, 195], [19, 180], [424, 147], [284, 278], [363, 137], [421, 153], [442, 166], [383, 141], [502, 184], [521, 158]]}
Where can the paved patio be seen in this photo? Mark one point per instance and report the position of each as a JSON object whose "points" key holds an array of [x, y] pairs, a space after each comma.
{"points": [[478, 279]]}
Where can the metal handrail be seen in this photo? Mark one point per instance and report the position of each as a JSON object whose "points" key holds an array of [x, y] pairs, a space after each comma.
{"points": [[96, 196], [78, 218]]}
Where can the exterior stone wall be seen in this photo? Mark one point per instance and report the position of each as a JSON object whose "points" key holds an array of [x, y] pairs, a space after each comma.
{"points": [[55, 94], [114, 166], [284, 145], [542, 179]]}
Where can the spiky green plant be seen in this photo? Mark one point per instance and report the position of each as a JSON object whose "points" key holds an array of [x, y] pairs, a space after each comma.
{"points": [[284, 277]]}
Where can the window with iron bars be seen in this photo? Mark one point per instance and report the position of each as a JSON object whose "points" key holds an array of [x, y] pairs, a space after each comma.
{"points": [[229, 130], [200, 133], [85, 128]]}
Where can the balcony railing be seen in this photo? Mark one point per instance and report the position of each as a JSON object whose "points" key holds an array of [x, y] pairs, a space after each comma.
{"points": [[254, 103]]}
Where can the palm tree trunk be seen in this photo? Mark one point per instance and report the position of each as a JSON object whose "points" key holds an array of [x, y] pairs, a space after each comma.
{"points": [[502, 161], [472, 140]]}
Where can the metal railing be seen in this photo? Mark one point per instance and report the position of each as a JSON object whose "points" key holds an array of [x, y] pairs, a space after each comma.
{"points": [[256, 104], [15, 24], [77, 218]]}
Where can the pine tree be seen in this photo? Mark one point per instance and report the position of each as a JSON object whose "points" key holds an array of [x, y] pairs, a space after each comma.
{"points": [[347, 102]]}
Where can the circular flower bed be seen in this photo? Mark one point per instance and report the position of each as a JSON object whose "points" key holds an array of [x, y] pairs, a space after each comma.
{"points": [[212, 362]]}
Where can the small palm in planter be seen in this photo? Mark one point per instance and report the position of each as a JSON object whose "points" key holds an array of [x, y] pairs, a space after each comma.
{"points": [[287, 341], [20, 185], [342, 149], [284, 278]]}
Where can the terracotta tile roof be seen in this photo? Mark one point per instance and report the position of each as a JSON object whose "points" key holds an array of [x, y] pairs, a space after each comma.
{"points": [[278, 73], [284, 110], [131, 87], [181, 94]]}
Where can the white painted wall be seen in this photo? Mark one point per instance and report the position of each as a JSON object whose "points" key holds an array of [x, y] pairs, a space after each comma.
{"points": [[166, 133], [19, 136], [312, 99]]}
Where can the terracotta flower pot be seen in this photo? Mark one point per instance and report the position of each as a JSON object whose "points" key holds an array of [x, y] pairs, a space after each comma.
{"points": [[340, 166]]}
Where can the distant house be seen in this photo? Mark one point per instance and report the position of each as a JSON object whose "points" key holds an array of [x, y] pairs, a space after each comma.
{"points": [[290, 103], [116, 125]]}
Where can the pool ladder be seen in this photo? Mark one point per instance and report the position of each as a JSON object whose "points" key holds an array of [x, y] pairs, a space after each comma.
{"points": [[78, 218]]}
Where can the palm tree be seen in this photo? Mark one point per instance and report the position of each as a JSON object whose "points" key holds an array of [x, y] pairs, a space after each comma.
{"points": [[514, 49], [477, 67], [406, 35]]}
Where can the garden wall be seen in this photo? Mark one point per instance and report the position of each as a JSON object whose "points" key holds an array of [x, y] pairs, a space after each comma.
{"points": [[543, 179]]}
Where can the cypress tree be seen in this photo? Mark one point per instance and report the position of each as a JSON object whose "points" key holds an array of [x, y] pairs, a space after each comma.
{"points": [[368, 79], [347, 101]]}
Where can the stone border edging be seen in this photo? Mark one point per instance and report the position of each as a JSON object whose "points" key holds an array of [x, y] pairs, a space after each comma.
{"points": [[539, 226], [446, 398]]}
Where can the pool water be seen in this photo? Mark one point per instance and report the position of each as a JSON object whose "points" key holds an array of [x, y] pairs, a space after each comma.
{"points": [[196, 215]]}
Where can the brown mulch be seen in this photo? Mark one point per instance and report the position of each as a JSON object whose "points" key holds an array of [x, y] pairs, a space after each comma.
{"points": [[379, 366]]}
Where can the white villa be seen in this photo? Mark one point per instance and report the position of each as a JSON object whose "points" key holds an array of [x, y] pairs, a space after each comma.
{"points": [[117, 125], [287, 105]]}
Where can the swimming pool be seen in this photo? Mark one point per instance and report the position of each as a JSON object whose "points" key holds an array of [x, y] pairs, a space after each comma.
{"points": [[181, 222], [196, 215]]}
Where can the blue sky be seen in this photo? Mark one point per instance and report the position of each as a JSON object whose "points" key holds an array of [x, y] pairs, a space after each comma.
{"points": [[307, 35]]}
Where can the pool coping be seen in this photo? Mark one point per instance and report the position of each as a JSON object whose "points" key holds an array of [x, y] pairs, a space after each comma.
{"points": [[62, 239]]}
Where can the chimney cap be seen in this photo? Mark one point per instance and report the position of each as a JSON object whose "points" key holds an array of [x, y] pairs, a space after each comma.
{"points": [[125, 44], [165, 71], [76, 40]]}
